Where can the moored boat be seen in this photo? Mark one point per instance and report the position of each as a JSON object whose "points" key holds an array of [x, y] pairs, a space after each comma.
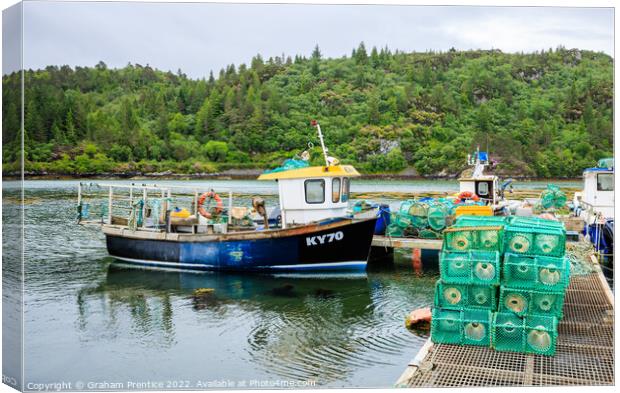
{"points": [[314, 230], [595, 206]]}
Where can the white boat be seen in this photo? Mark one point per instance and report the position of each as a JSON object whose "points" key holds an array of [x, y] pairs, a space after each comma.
{"points": [[481, 186]]}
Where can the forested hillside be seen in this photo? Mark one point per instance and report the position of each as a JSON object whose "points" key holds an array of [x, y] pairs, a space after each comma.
{"points": [[546, 114]]}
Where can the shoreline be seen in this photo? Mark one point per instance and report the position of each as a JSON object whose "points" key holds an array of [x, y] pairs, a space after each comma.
{"points": [[241, 176]]}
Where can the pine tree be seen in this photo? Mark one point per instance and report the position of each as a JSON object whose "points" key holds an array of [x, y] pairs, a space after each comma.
{"points": [[361, 57]]}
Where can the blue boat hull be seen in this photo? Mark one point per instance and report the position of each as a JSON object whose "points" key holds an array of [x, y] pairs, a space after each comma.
{"points": [[333, 245]]}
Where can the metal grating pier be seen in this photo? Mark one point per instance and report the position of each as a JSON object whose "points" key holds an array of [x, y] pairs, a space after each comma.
{"points": [[584, 355]]}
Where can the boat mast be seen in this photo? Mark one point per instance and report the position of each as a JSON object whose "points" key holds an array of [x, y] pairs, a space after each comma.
{"points": [[318, 127]]}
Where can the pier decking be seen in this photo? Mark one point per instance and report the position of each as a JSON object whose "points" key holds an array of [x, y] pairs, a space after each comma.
{"points": [[584, 356], [406, 242]]}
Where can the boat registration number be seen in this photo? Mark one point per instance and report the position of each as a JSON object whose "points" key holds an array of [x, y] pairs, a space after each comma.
{"points": [[322, 239]]}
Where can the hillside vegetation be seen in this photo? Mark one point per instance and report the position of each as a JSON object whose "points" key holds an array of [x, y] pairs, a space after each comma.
{"points": [[544, 114]]}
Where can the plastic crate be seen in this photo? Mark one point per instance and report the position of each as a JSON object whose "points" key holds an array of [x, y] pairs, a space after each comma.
{"points": [[536, 272], [485, 221], [474, 210], [462, 327], [470, 267], [525, 302], [535, 240], [534, 334], [467, 238], [462, 296]]}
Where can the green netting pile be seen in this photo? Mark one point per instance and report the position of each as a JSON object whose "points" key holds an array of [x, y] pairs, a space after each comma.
{"points": [[605, 163], [289, 164], [424, 218], [552, 197]]}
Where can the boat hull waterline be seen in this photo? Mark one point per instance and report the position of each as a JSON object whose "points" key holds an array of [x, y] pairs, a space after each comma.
{"points": [[331, 245]]}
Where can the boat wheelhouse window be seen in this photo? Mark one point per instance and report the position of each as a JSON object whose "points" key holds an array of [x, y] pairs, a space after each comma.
{"points": [[605, 182], [483, 189], [335, 189], [345, 190], [315, 190]]}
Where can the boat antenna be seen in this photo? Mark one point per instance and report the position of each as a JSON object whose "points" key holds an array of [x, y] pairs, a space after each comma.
{"points": [[318, 127]]}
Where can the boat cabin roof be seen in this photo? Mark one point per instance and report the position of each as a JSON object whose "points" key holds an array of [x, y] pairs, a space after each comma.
{"points": [[598, 170], [479, 178], [312, 172]]}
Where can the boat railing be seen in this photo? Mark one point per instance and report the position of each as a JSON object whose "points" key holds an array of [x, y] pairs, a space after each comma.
{"points": [[146, 206]]}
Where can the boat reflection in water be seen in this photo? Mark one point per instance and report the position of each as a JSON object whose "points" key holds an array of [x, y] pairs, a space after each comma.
{"points": [[329, 328]]}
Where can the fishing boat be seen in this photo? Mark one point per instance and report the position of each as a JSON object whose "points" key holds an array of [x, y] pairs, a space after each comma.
{"points": [[314, 230], [477, 186], [595, 206]]}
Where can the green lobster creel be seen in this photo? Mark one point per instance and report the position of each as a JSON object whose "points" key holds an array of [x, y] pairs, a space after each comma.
{"points": [[394, 230], [403, 220], [470, 267], [541, 335], [549, 244], [536, 272], [534, 222], [532, 334], [437, 217], [418, 213], [428, 234], [530, 302], [535, 237], [477, 327], [454, 267], [519, 242], [446, 326], [474, 237], [461, 296], [405, 206], [490, 240], [459, 240], [507, 332], [462, 327]]}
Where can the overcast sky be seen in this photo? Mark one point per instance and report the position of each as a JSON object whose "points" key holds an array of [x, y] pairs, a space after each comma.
{"points": [[198, 38]]}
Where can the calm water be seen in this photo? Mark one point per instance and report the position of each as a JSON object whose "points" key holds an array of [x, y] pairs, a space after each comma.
{"points": [[90, 320]]}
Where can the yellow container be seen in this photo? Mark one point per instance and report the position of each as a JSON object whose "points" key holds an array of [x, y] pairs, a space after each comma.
{"points": [[474, 210], [183, 213]]}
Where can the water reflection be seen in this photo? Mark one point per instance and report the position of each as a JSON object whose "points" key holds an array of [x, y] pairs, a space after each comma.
{"points": [[319, 327]]}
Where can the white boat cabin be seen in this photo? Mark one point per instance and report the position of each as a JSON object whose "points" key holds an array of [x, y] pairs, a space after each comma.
{"points": [[313, 193], [486, 187], [597, 198]]}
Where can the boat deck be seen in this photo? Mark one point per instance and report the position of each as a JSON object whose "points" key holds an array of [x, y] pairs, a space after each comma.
{"points": [[584, 356]]}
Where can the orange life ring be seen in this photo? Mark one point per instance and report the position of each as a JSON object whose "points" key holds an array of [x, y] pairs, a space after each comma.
{"points": [[219, 207], [468, 195]]}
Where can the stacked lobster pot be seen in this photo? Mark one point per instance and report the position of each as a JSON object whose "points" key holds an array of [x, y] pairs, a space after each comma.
{"points": [[466, 293], [517, 310], [535, 276]]}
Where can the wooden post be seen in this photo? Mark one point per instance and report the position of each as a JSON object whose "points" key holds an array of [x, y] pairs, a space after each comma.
{"points": [[110, 206], [416, 260], [230, 205], [144, 195], [195, 211]]}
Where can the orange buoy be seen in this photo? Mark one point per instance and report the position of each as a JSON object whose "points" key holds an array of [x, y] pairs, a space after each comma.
{"points": [[468, 195], [419, 318], [219, 207]]}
